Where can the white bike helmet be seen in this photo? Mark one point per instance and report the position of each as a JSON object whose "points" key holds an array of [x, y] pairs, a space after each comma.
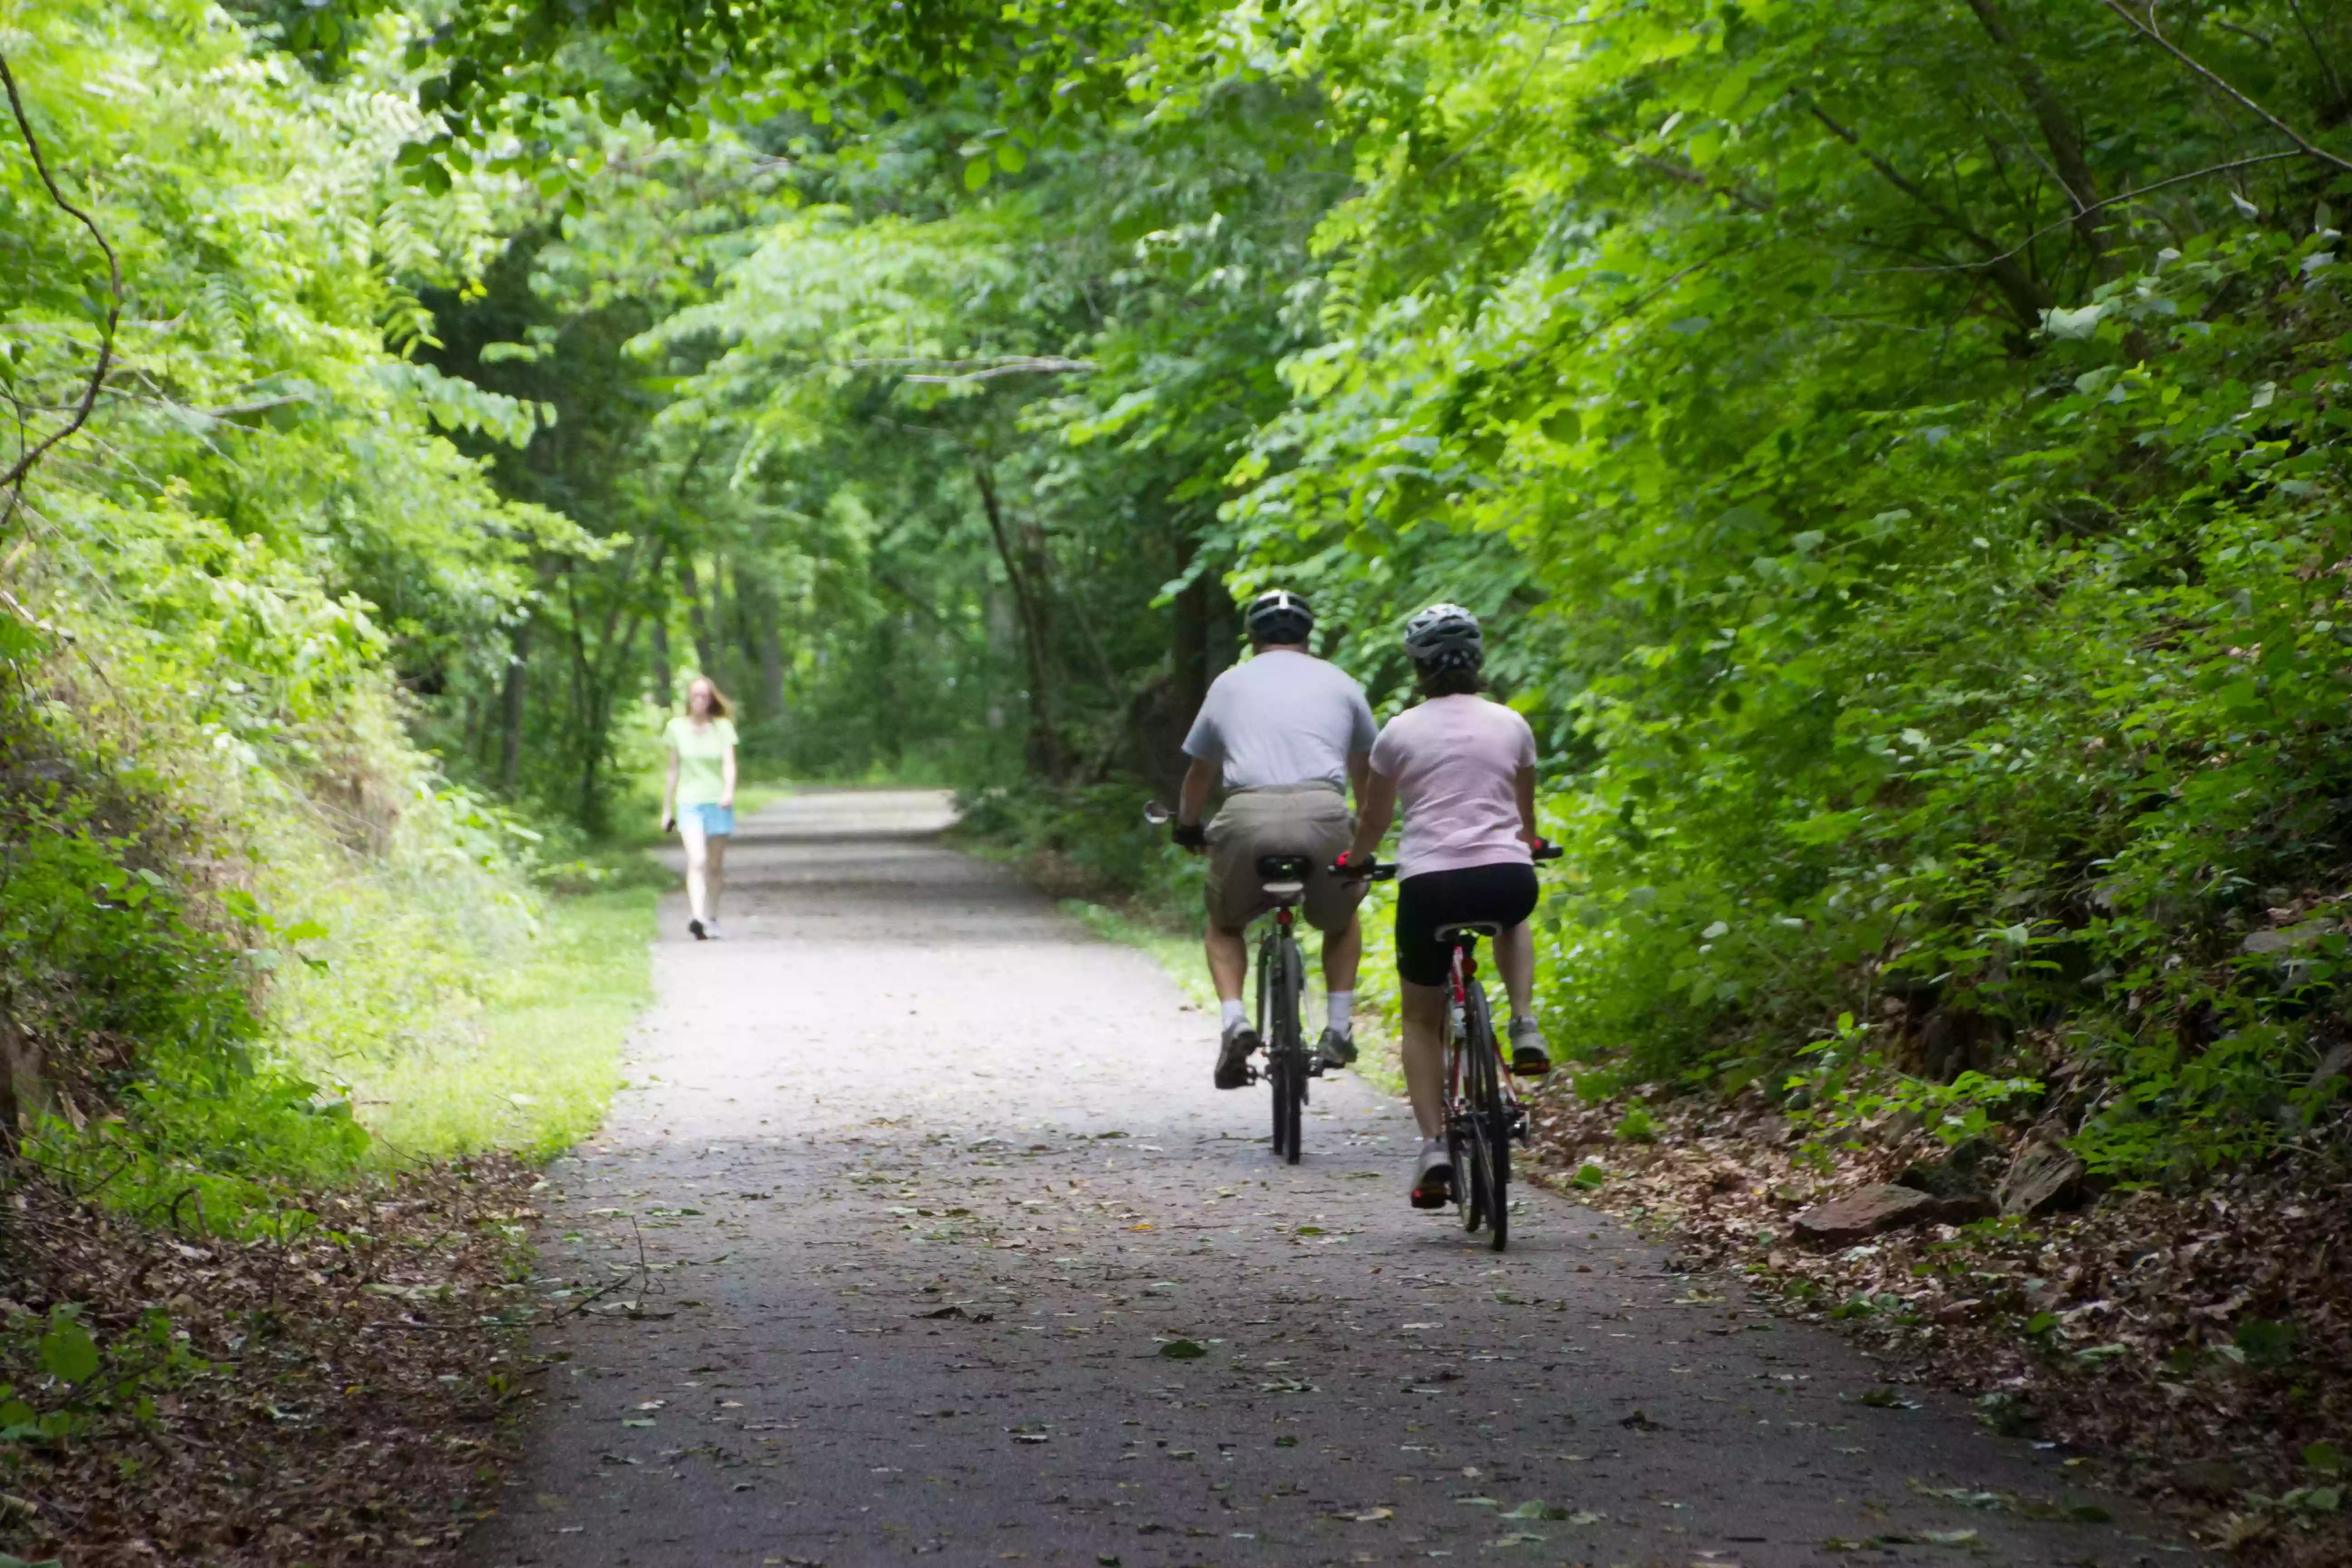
{"points": [[1445, 637], [1278, 615]]}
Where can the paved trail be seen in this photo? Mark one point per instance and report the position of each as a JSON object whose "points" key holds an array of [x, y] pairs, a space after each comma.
{"points": [[924, 1176]]}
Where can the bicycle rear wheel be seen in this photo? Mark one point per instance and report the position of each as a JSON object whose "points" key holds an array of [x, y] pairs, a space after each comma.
{"points": [[1490, 1119], [1268, 978], [1288, 1051]]}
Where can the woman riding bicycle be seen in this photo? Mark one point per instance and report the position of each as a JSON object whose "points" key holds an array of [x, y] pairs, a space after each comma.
{"points": [[1465, 767]]}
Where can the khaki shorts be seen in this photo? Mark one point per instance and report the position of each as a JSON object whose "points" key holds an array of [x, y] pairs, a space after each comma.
{"points": [[1312, 820]]}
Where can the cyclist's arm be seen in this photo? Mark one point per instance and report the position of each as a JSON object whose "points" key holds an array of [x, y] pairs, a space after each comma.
{"points": [[1375, 809], [1200, 778], [1360, 772], [1523, 785]]}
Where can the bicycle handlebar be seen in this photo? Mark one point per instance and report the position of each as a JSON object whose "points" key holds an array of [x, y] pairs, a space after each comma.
{"points": [[1385, 870]]}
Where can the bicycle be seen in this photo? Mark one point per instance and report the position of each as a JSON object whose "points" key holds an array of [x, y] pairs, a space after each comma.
{"points": [[1482, 1112], [1281, 988]]}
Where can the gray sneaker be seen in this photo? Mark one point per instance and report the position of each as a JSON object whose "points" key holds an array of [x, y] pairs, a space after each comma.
{"points": [[1528, 1058], [1336, 1047], [1433, 1176], [1240, 1044]]}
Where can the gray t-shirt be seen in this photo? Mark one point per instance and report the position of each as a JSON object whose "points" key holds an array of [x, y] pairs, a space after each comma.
{"points": [[1282, 718]]}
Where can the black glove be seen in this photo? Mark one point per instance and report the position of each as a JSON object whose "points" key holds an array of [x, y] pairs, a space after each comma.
{"points": [[1189, 836]]}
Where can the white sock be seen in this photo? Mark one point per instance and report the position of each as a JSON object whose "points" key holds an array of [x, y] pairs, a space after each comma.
{"points": [[1234, 1013], [1343, 1011]]}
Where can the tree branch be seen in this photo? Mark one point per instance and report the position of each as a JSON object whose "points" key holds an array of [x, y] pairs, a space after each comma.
{"points": [[1688, 175], [2026, 294], [2071, 167], [24, 463], [2110, 200], [987, 369], [2148, 29]]}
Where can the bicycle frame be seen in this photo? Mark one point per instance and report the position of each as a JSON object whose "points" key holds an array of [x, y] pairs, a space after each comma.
{"points": [[1483, 1113]]}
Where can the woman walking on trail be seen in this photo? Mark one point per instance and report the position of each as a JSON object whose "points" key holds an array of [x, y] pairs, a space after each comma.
{"points": [[1465, 767], [699, 800]]}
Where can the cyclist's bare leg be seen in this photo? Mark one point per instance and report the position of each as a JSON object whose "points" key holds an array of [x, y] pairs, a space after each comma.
{"points": [[1228, 963], [715, 875], [1514, 955], [1424, 1055], [1342, 952], [697, 864]]}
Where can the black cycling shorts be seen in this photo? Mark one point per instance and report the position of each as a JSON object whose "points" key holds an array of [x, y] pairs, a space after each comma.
{"points": [[1504, 895]]}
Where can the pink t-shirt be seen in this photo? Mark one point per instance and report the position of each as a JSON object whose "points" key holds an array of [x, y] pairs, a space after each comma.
{"points": [[1455, 760]]}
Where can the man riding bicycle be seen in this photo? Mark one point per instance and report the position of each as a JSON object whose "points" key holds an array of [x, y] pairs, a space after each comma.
{"points": [[1289, 734]]}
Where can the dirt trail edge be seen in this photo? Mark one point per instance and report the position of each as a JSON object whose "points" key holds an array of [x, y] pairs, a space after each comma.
{"points": [[921, 1199]]}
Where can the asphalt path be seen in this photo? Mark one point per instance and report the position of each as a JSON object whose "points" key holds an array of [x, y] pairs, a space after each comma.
{"points": [[896, 1242]]}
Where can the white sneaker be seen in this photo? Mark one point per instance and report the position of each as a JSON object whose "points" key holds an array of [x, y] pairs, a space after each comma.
{"points": [[710, 928], [1433, 1176]]}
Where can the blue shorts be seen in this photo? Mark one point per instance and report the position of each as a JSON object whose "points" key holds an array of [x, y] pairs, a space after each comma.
{"points": [[717, 821]]}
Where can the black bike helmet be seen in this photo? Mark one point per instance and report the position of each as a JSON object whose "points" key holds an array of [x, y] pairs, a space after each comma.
{"points": [[1278, 615], [1445, 637]]}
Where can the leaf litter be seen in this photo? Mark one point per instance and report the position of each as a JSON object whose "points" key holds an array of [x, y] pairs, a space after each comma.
{"points": [[2189, 1346], [360, 1384]]}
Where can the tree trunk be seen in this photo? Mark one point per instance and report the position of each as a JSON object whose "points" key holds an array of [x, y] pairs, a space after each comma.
{"points": [[23, 1090], [1045, 755], [510, 709], [665, 680], [767, 635], [2058, 132], [696, 616], [1188, 653]]}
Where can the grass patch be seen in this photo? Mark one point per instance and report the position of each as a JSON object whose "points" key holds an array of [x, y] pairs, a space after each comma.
{"points": [[543, 1056], [1176, 952]]}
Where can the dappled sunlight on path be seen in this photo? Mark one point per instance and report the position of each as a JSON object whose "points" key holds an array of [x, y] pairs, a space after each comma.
{"points": [[948, 1246]]}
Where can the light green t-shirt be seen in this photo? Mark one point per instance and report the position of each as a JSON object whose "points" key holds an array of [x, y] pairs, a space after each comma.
{"points": [[701, 752]]}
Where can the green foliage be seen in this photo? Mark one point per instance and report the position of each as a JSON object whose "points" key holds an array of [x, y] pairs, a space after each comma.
{"points": [[1898, 451], [1089, 841], [1636, 1126], [1844, 1087], [87, 1382], [228, 880]]}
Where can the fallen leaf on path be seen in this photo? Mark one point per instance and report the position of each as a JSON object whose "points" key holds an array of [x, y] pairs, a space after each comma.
{"points": [[1184, 1350], [1884, 1399]]}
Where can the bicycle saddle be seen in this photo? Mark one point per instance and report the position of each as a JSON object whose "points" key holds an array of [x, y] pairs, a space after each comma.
{"points": [[1284, 876], [1449, 933]]}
